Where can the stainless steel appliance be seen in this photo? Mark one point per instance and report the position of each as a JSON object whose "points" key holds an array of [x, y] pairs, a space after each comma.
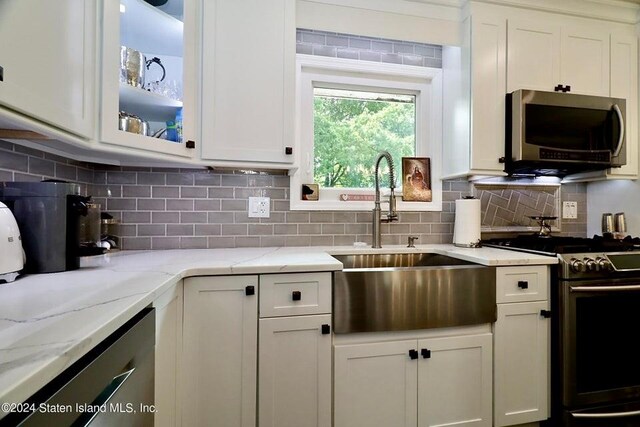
{"points": [[551, 133], [112, 385], [48, 214], [595, 300], [12, 259]]}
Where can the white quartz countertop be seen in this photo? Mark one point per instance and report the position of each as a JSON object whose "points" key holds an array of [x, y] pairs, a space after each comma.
{"points": [[49, 321]]}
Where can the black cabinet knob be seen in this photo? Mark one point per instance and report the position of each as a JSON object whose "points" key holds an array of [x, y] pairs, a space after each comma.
{"points": [[523, 284], [561, 88], [426, 353], [296, 295], [326, 329], [1, 74], [250, 290], [545, 313], [288, 150], [413, 354], [190, 144]]}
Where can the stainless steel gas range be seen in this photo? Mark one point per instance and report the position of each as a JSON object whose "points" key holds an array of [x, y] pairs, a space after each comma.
{"points": [[595, 299]]}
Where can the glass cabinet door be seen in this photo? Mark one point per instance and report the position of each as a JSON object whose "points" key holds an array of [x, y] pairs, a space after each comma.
{"points": [[144, 68]]}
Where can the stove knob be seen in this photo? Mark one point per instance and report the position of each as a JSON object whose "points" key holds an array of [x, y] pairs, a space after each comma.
{"points": [[603, 264], [590, 264], [576, 265]]}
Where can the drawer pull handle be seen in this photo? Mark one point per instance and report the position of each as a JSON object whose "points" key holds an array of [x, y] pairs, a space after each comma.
{"points": [[326, 329], [413, 354], [296, 295], [426, 353], [250, 290], [523, 284], [545, 313]]}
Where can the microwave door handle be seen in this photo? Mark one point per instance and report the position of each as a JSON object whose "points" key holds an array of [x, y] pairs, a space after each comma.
{"points": [[621, 138]]}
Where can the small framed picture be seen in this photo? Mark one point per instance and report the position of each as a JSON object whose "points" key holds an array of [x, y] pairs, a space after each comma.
{"points": [[310, 192], [416, 179]]}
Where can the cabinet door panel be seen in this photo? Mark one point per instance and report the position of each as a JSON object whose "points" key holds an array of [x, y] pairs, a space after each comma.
{"points": [[248, 81], [585, 61], [624, 84], [220, 351], [295, 372], [168, 355], [47, 54], [375, 385], [488, 101], [533, 56], [521, 363], [455, 382]]}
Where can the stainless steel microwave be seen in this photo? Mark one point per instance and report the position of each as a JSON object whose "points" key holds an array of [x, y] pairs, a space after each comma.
{"points": [[552, 133]]}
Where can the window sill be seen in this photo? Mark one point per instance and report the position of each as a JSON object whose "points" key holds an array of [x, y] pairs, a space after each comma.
{"points": [[365, 206]]}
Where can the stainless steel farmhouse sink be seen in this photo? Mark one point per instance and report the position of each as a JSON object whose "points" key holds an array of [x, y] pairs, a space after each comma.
{"points": [[396, 292]]}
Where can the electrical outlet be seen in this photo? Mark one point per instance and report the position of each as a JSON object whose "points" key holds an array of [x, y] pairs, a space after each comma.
{"points": [[259, 207], [569, 210]]}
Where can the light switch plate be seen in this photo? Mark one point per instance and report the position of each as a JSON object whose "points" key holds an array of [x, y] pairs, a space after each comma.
{"points": [[259, 207], [569, 210]]}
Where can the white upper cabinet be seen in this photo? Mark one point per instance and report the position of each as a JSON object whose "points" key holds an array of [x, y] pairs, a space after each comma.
{"points": [[624, 84], [168, 87], [542, 56], [474, 98], [584, 61], [534, 56], [505, 49], [248, 80], [47, 60]]}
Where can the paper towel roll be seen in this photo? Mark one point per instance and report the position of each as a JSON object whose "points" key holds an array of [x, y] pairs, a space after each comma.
{"points": [[466, 230]]}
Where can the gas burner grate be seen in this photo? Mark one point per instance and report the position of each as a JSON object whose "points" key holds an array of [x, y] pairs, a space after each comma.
{"points": [[564, 245]]}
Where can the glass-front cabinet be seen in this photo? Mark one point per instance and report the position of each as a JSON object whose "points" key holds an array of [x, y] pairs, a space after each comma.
{"points": [[149, 75]]}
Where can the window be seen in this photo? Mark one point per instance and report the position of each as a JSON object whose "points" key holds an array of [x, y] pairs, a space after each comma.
{"points": [[351, 127], [348, 111]]}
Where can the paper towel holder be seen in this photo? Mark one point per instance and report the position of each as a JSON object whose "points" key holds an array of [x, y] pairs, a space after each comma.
{"points": [[476, 243]]}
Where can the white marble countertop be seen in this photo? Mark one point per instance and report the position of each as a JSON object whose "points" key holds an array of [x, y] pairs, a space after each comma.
{"points": [[49, 321]]}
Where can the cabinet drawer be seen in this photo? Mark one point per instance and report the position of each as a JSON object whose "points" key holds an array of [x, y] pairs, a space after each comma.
{"points": [[295, 294], [521, 284]]}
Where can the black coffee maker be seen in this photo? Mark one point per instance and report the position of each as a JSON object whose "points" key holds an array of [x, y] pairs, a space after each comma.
{"points": [[48, 215]]}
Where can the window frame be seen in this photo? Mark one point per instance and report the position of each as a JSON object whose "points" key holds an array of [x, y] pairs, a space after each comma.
{"points": [[423, 82]]}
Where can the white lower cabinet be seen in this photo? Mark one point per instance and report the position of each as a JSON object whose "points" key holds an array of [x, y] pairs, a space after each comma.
{"points": [[294, 382], [427, 382], [375, 385], [220, 351], [168, 353], [454, 381], [521, 345], [521, 368]]}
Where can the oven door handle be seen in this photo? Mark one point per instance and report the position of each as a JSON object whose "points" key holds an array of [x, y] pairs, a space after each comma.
{"points": [[607, 415], [618, 288], [621, 138]]}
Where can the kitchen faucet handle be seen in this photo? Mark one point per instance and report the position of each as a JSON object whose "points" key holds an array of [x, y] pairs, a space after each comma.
{"points": [[411, 241]]}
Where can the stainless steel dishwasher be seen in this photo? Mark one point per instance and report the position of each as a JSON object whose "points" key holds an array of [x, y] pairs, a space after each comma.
{"points": [[112, 385]]}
